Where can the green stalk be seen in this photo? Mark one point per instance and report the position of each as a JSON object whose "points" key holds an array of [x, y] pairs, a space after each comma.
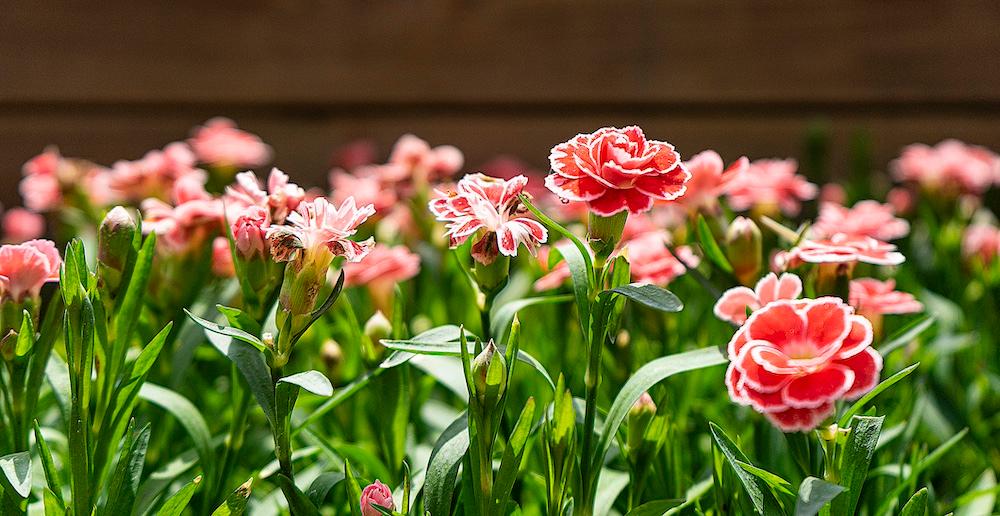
{"points": [[592, 378]]}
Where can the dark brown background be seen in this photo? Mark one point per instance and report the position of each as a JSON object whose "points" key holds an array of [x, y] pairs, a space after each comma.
{"points": [[109, 80]]}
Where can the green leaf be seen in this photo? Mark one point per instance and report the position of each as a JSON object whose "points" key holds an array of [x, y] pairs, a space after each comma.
{"points": [[178, 501], [353, 489], [125, 480], [917, 506], [449, 349], [981, 497], [236, 503], [774, 481], [312, 381], [762, 498], [885, 384], [502, 316], [342, 395], [188, 416], [53, 477], [655, 508], [858, 451], [25, 337], [513, 455], [254, 369], [317, 313], [711, 247], [644, 379], [297, 501], [906, 334], [651, 296], [238, 319], [920, 467], [612, 482], [321, 486], [228, 331], [440, 334], [814, 494], [130, 304], [442, 467], [144, 362], [16, 477]]}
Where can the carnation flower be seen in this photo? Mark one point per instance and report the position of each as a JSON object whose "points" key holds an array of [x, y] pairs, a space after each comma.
{"points": [[651, 262], [841, 248], [866, 219], [871, 296], [250, 232], [318, 231], [24, 268], [950, 167], [793, 360], [383, 264], [378, 494], [982, 241], [221, 144], [152, 176], [417, 160], [735, 302], [365, 184], [281, 198], [615, 170], [489, 208], [185, 225], [222, 258], [40, 188], [709, 179], [769, 185], [20, 225]]}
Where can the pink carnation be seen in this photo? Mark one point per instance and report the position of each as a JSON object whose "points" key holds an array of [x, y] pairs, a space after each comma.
{"points": [[951, 167], [735, 302], [490, 207], [871, 296], [865, 219], [841, 248], [615, 170], [221, 144], [419, 159], [383, 264], [40, 187], [281, 198], [20, 225], [222, 258], [981, 241], [770, 184], [709, 179], [378, 494], [318, 231], [365, 184], [651, 262], [24, 268], [793, 360], [152, 176], [185, 225], [250, 232]]}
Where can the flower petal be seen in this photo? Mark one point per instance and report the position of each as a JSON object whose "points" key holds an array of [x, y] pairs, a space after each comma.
{"points": [[814, 390]]}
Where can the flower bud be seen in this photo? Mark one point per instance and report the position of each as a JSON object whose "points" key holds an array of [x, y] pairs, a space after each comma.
{"points": [[743, 249], [489, 376], [492, 277], [379, 494], [250, 233], [639, 416], [604, 233], [378, 327], [332, 356], [114, 238]]}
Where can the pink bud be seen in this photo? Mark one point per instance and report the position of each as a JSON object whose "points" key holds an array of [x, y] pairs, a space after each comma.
{"points": [[222, 258], [249, 232], [379, 494]]}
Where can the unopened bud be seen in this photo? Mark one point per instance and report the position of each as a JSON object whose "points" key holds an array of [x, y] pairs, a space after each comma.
{"points": [[332, 356], [268, 339], [378, 327], [114, 239], [743, 249], [639, 416], [489, 375], [492, 277]]}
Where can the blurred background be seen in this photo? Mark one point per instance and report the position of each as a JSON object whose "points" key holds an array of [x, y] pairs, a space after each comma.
{"points": [[110, 80]]}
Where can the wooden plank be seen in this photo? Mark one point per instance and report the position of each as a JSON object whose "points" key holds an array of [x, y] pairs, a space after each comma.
{"points": [[255, 52], [303, 144]]}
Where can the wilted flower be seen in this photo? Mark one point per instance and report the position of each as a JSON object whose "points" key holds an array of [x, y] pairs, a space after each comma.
{"points": [[281, 198], [221, 144], [793, 359], [709, 179], [490, 209], [420, 161], [770, 185], [841, 248], [20, 225], [735, 302], [866, 219], [379, 494], [615, 170], [222, 258], [24, 268], [875, 297], [318, 231], [950, 167]]}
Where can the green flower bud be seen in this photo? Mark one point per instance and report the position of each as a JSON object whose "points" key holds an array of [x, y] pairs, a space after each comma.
{"points": [[604, 233], [639, 416], [489, 376], [743, 249], [114, 245], [492, 277]]}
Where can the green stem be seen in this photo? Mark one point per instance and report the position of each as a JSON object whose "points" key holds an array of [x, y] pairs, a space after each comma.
{"points": [[595, 346]]}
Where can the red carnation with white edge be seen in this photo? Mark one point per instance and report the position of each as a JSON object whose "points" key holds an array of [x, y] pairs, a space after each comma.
{"points": [[615, 170]]}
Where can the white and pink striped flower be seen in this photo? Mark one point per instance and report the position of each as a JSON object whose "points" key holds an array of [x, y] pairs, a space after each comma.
{"points": [[875, 297], [793, 360], [281, 197], [24, 268], [615, 170], [489, 208], [841, 248], [734, 303], [318, 231]]}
